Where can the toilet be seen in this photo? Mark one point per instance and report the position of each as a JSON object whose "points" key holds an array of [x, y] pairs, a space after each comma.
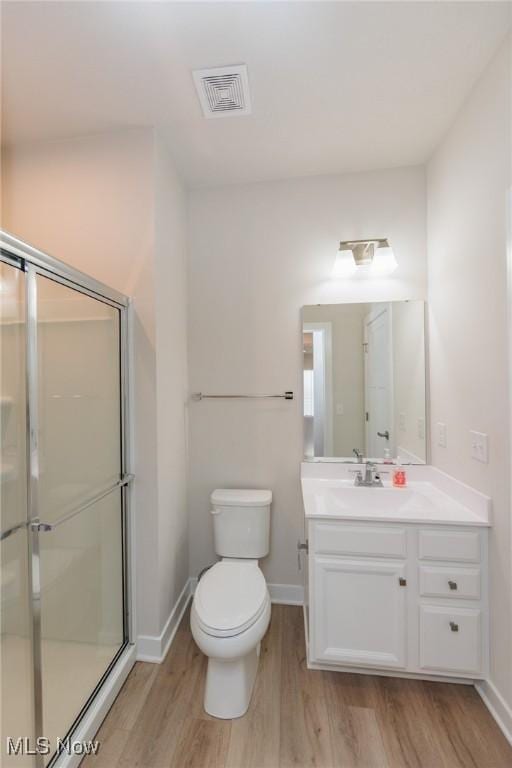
{"points": [[231, 607]]}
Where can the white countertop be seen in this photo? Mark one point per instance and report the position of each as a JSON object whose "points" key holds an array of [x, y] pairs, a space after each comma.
{"points": [[430, 497]]}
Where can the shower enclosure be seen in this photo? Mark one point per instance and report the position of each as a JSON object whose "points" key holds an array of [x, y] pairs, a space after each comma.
{"points": [[64, 522]]}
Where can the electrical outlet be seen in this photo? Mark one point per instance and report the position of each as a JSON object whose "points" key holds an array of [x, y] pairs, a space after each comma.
{"points": [[441, 434], [479, 446], [421, 428], [401, 422]]}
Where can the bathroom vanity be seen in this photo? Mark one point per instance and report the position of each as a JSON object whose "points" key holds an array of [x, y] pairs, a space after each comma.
{"points": [[396, 578]]}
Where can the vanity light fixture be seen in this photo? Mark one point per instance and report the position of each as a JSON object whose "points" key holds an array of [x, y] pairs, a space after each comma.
{"points": [[371, 257]]}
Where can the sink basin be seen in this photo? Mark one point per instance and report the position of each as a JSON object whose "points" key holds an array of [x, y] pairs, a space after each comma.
{"points": [[419, 501], [386, 499]]}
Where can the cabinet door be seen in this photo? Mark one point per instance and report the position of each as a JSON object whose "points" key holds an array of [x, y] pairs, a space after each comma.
{"points": [[359, 612]]}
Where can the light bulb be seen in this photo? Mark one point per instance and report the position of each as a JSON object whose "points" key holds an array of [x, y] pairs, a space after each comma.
{"points": [[384, 262], [344, 265]]}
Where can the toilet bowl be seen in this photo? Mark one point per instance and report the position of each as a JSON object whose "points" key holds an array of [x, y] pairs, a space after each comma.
{"points": [[230, 615]]}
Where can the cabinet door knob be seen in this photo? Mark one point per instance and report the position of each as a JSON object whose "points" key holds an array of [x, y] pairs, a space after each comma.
{"points": [[402, 581], [454, 627], [452, 584]]}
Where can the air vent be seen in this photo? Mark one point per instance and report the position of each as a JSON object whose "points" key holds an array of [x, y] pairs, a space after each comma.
{"points": [[223, 91]]}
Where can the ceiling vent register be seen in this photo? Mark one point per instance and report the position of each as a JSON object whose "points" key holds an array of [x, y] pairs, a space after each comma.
{"points": [[223, 91]]}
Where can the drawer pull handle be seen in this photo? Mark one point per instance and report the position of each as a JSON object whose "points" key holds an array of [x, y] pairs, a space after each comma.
{"points": [[454, 627], [402, 581], [452, 585]]}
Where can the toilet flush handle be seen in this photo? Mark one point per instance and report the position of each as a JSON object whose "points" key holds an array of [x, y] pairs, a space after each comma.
{"points": [[215, 511]]}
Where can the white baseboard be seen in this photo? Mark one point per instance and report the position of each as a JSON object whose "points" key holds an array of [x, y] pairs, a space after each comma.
{"points": [[497, 706], [154, 648], [286, 594]]}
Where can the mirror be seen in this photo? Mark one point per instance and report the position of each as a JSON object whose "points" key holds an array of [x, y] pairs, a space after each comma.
{"points": [[364, 381]]}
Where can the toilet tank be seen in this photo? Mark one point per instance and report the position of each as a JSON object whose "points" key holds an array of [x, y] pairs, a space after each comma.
{"points": [[241, 522]]}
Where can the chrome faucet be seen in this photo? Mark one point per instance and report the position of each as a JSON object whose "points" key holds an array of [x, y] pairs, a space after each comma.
{"points": [[371, 478]]}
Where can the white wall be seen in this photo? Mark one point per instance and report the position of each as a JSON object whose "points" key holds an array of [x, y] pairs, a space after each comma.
{"points": [[257, 253], [172, 384], [468, 199], [87, 201], [112, 206]]}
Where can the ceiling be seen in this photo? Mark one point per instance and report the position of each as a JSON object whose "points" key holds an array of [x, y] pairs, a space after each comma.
{"points": [[335, 87]]}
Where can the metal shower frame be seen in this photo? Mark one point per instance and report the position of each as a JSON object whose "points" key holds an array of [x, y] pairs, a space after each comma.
{"points": [[33, 262]]}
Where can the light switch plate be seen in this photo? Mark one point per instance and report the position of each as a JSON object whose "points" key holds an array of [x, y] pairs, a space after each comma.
{"points": [[479, 446], [441, 434], [421, 428], [401, 422]]}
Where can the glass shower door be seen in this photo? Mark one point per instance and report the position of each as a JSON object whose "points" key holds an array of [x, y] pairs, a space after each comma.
{"points": [[15, 640], [77, 394]]}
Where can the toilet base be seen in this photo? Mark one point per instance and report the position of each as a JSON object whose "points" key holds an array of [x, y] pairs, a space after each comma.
{"points": [[229, 685]]}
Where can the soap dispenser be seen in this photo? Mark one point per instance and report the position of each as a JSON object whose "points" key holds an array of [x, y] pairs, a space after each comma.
{"points": [[399, 475]]}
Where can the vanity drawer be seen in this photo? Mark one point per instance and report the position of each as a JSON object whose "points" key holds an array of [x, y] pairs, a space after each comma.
{"points": [[450, 640], [447, 581], [365, 540], [461, 546]]}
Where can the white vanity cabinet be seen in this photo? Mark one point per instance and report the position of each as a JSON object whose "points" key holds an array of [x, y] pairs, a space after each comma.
{"points": [[397, 596]]}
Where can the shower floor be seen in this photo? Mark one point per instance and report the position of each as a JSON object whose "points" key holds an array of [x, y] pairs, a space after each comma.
{"points": [[71, 671]]}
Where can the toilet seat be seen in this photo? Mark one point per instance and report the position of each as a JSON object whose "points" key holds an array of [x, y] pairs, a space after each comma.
{"points": [[230, 598]]}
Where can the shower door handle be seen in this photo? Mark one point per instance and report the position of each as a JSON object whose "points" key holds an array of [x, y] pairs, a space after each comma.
{"points": [[384, 434]]}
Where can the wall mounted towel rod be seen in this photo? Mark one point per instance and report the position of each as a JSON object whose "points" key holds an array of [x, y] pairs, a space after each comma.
{"points": [[200, 396]]}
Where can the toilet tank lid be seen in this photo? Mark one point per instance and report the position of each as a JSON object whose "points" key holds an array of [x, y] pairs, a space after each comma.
{"points": [[240, 497]]}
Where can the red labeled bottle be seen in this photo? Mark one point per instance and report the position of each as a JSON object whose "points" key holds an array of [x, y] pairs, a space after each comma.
{"points": [[399, 475]]}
